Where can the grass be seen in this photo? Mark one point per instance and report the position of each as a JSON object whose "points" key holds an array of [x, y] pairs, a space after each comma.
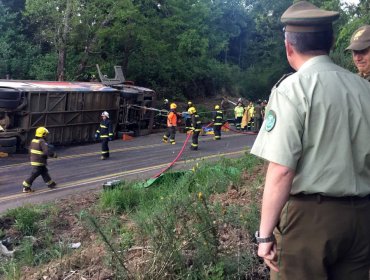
{"points": [[34, 239], [181, 225], [178, 221]]}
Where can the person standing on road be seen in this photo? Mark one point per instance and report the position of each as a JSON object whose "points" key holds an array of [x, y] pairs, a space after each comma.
{"points": [[360, 47], [316, 201], [188, 118], [39, 153], [258, 118], [105, 134], [250, 116], [196, 127], [218, 122], [239, 111], [171, 125]]}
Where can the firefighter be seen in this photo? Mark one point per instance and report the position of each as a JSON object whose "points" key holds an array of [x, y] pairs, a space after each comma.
{"points": [[188, 118], [166, 106], [105, 134], [239, 111], [218, 122], [196, 127], [39, 153], [171, 125], [250, 114]]}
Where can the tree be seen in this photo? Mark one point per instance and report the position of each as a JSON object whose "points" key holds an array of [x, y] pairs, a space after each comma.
{"points": [[54, 20], [16, 52]]}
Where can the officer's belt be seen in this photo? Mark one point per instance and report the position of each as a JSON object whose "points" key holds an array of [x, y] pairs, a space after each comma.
{"points": [[320, 198]]}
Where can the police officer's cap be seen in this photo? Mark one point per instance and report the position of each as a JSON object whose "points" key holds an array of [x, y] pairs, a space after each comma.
{"points": [[360, 39], [306, 17]]}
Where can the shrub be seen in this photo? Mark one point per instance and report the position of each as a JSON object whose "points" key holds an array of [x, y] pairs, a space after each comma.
{"points": [[26, 219]]}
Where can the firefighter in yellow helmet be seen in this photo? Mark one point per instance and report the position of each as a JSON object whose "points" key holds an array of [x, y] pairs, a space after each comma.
{"points": [[39, 153], [171, 125], [188, 118], [105, 134], [196, 127], [239, 111], [218, 122]]}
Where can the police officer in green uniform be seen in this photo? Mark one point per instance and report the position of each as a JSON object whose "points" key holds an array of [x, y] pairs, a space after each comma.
{"points": [[360, 47], [315, 219]]}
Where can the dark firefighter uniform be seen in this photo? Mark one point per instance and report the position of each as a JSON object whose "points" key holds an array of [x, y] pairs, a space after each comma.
{"points": [[39, 152], [105, 133], [196, 127], [188, 120], [218, 122]]}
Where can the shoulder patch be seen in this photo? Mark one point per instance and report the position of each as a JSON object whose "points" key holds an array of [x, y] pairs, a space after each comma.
{"points": [[270, 120], [282, 79]]}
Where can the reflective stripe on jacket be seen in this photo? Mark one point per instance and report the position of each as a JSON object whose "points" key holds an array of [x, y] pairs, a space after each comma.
{"points": [[196, 124], [105, 129], [218, 120], [38, 152]]}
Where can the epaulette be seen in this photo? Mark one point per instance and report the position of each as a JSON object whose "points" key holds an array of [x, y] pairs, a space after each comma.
{"points": [[282, 79]]}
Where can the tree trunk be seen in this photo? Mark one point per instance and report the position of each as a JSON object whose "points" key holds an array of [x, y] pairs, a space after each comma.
{"points": [[62, 46]]}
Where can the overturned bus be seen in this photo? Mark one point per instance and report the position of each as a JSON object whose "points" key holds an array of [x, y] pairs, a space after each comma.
{"points": [[70, 110]]}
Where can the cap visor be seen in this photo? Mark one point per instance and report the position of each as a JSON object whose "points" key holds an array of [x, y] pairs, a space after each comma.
{"points": [[357, 47]]}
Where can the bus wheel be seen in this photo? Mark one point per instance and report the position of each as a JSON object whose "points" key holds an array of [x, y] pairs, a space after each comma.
{"points": [[8, 150], [7, 142]]}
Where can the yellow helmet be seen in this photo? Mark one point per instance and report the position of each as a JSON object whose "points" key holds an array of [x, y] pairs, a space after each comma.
{"points": [[192, 110], [41, 132], [217, 107], [173, 106]]}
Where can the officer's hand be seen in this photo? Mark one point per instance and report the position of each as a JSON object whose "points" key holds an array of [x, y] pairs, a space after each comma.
{"points": [[267, 251], [96, 136], [110, 138]]}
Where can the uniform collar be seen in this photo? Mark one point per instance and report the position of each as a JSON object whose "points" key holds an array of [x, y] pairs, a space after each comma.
{"points": [[365, 76], [315, 60]]}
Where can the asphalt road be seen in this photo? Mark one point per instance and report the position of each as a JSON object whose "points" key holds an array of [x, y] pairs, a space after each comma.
{"points": [[79, 168]]}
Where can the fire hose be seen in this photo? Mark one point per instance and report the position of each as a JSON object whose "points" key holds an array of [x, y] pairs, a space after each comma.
{"points": [[240, 132], [177, 157]]}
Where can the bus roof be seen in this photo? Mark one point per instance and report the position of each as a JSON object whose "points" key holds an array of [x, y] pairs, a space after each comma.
{"points": [[54, 86]]}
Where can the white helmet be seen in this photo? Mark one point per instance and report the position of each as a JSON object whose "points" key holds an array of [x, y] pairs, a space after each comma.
{"points": [[105, 114]]}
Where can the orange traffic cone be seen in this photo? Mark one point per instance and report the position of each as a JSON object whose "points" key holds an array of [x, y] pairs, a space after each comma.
{"points": [[126, 137]]}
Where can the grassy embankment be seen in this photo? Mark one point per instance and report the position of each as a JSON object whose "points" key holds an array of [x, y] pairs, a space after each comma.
{"points": [[191, 225]]}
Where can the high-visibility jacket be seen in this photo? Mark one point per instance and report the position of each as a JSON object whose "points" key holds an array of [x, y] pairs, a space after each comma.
{"points": [[105, 129], [250, 110], [196, 124], [39, 152], [218, 119], [172, 119], [239, 111]]}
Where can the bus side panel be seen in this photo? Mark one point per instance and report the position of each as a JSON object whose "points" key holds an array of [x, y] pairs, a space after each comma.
{"points": [[70, 117]]}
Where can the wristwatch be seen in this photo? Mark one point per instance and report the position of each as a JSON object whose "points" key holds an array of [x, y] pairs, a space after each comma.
{"points": [[268, 239]]}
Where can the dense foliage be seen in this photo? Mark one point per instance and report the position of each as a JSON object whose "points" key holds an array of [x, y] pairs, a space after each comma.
{"points": [[180, 48]]}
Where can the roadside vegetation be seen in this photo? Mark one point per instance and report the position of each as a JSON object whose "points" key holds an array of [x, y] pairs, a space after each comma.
{"points": [[195, 224]]}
